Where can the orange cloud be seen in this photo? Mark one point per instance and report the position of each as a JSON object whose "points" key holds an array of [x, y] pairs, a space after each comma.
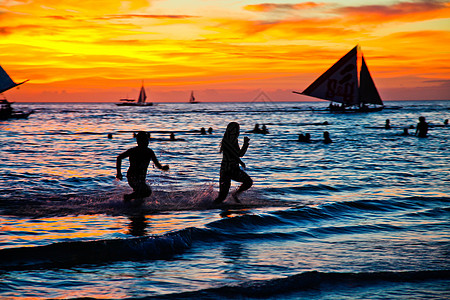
{"points": [[401, 11], [129, 16], [268, 7]]}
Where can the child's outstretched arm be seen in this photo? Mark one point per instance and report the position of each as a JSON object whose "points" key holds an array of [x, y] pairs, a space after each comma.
{"points": [[157, 164], [119, 164]]}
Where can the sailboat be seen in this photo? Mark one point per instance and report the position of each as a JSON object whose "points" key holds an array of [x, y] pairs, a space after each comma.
{"points": [[192, 98], [132, 102], [6, 111], [341, 84]]}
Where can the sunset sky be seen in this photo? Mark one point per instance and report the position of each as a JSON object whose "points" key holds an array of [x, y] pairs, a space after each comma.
{"points": [[80, 50]]}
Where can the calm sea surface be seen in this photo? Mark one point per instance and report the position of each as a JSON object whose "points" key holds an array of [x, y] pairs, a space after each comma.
{"points": [[365, 217]]}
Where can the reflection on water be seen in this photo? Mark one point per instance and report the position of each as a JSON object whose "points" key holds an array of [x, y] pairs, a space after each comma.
{"points": [[138, 225]]}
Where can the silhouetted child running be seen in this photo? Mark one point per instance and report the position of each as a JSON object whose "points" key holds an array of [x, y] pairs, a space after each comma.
{"points": [[229, 169], [140, 157]]}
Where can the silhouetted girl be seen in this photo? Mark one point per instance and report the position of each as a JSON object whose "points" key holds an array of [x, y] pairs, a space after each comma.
{"points": [[229, 169]]}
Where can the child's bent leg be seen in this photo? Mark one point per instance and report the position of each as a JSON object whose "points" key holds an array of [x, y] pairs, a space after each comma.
{"points": [[247, 182], [140, 190]]}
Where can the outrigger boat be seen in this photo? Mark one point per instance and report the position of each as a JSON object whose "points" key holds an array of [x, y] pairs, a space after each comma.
{"points": [[341, 84], [6, 111]]}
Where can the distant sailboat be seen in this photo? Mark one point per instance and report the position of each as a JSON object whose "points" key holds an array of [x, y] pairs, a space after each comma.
{"points": [[340, 84], [6, 111], [192, 98], [140, 102]]}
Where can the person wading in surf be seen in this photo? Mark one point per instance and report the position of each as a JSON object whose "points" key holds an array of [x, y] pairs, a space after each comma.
{"points": [[229, 169], [140, 157], [422, 127]]}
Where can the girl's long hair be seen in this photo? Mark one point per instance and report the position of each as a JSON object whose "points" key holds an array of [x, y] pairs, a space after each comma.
{"points": [[227, 135]]}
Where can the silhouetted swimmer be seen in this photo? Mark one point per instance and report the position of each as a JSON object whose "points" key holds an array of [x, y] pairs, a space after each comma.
{"points": [[172, 136], [388, 124], [110, 136], [229, 169], [422, 127], [202, 130], [405, 132], [210, 130], [304, 138], [326, 137], [264, 129], [256, 129], [307, 137], [140, 157], [444, 125]]}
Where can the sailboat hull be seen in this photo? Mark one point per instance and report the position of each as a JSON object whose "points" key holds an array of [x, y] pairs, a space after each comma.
{"points": [[135, 104], [356, 110]]}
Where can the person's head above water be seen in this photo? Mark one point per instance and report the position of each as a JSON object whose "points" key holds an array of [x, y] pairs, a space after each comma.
{"points": [[142, 139]]}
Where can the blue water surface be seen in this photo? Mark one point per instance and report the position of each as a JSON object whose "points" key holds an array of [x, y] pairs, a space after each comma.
{"points": [[365, 217]]}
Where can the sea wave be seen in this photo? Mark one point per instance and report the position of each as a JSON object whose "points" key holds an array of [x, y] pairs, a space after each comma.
{"points": [[65, 254], [307, 281]]}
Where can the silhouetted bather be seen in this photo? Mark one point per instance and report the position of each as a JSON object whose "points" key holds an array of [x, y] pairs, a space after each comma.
{"points": [[202, 130], [210, 130], [326, 137], [173, 138], [422, 127], [388, 124], [307, 137], [140, 157], [256, 129], [229, 169], [304, 138], [444, 125], [405, 132], [264, 129]]}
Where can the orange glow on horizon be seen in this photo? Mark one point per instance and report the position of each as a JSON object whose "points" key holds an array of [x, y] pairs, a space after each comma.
{"points": [[100, 52]]}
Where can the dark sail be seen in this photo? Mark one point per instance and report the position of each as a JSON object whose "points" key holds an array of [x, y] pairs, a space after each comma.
{"points": [[6, 82], [339, 83], [367, 91]]}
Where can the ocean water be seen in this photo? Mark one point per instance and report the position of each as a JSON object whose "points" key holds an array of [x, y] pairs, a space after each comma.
{"points": [[365, 217]]}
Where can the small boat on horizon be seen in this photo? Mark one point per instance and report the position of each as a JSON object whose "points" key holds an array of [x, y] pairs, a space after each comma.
{"points": [[6, 110], [341, 84], [132, 102], [192, 98]]}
